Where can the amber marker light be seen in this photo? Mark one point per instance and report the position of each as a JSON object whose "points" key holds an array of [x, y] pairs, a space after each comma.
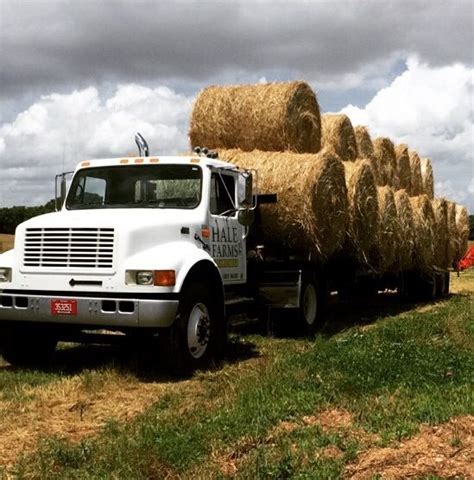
{"points": [[124, 161], [164, 278], [195, 160], [154, 160], [205, 233], [85, 164], [139, 160]]}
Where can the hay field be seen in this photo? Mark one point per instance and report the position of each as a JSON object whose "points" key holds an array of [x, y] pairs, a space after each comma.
{"points": [[6, 242]]}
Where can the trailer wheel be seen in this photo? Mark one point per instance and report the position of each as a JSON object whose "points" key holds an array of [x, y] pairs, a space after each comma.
{"points": [[195, 337], [25, 346], [309, 311]]}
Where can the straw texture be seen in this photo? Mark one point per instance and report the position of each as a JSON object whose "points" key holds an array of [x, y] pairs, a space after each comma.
{"points": [[403, 167], [338, 134], [427, 180], [424, 231], [362, 233], [271, 117], [406, 228], [311, 214], [416, 186]]}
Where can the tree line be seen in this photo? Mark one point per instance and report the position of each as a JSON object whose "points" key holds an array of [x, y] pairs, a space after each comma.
{"points": [[11, 217]]}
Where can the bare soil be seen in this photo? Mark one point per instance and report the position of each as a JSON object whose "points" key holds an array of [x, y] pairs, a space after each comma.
{"points": [[445, 451]]}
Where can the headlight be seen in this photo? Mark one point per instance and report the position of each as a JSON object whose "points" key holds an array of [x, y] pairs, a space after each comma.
{"points": [[158, 278], [145, 277], [5, 275]]}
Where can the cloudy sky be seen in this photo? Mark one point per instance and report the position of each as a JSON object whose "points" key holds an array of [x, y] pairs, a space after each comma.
{"points": [[78, 79]]}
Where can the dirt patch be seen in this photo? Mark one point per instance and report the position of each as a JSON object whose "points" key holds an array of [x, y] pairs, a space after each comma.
{"points": [[445, 451], [331, 452], [330, 420]]}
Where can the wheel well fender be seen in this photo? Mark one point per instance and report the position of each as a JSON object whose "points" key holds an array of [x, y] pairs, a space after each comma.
{"points": [[206, 272]]}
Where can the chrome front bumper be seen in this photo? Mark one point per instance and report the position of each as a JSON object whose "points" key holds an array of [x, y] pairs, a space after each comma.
{"points": [[113, 312]]}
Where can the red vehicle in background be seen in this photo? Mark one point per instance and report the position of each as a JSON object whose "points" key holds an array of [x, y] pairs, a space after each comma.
{"points": [[468, 260]]}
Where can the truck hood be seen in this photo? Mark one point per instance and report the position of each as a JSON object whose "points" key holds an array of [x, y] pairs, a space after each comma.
{"points": [[136, 230]]}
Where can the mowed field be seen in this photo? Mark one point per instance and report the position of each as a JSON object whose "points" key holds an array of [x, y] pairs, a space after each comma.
{"points": [[6, 242], [383, 391]]}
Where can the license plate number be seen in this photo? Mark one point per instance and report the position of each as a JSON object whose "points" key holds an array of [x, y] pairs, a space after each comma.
{"points": [[63, 307]]}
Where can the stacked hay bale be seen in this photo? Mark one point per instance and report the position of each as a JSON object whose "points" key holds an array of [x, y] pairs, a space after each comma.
{"points": [[440, 210], [424, 232], [387, 162], [385, 250], [406, 229], [453, 234], [312, 210], [403, 167], [270, 117], [365, 150], [338, 135], [363, 226], [427, 179], [416, 185], [462, 226], [361, 198]]}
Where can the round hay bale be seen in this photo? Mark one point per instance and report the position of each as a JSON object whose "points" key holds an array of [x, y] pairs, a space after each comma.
{"points": [[385, 251], [416, 186], [365, 150], [462, 224], [403, 167], [387, 162], [311, 212], [440, 210], [424, 231], [362, 232], [337, 133], [271, 117], [406, 228], [453, 234], [427, 180]]}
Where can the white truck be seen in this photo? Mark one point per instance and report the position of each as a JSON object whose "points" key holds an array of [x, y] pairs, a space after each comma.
{"points": [[145, 246]]}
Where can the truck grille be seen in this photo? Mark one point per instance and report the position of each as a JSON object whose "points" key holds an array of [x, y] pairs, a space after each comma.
{"points": [[69, 247]]}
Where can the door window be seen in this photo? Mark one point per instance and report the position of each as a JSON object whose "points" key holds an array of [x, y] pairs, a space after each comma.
{"points": [[222, 195]]}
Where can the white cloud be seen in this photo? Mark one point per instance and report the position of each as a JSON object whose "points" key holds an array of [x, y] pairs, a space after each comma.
{"points": [[58, 131], [430, 109]]}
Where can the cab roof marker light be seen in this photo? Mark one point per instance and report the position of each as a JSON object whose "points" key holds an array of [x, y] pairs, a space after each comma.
{"points": [[124, 161], [154, 160], [195, 160], [85, 164], [139, 160]]}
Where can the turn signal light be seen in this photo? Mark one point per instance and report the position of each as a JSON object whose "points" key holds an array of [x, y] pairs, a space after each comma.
{"points": [[164, 278]]}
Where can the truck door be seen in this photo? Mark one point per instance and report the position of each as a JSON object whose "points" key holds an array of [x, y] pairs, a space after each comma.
{"points": [[226, 235]]}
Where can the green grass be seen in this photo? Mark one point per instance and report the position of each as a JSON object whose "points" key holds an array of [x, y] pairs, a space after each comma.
{"points": [[392, 376]]}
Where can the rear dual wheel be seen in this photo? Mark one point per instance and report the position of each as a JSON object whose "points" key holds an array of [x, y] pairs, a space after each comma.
{"points": [[310, 311]]}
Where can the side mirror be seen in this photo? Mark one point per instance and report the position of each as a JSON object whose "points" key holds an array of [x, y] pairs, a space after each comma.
{"points": [[245, 189], [60, 196], [246, 217]]}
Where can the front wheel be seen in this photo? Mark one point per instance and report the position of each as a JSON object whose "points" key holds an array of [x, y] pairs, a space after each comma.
{"points": [[27, 346], [197, 334]]}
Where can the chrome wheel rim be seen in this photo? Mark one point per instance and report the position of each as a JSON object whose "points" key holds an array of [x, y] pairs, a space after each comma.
{"points": [[310, 304], [199, 330]]}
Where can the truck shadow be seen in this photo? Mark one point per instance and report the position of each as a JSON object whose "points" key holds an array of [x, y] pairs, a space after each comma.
{"points": [[366, 311], [145, 364]]}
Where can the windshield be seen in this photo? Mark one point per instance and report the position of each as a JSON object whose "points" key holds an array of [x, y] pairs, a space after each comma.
{"points": [[140, 186]]}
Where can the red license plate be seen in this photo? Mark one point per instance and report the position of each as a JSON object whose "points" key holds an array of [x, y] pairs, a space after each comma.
{"points": [[63, 307]]}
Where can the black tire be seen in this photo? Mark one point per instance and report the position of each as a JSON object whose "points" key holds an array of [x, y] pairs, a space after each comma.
{"points": [[198, 335], [311, 306], [27, 346]]}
